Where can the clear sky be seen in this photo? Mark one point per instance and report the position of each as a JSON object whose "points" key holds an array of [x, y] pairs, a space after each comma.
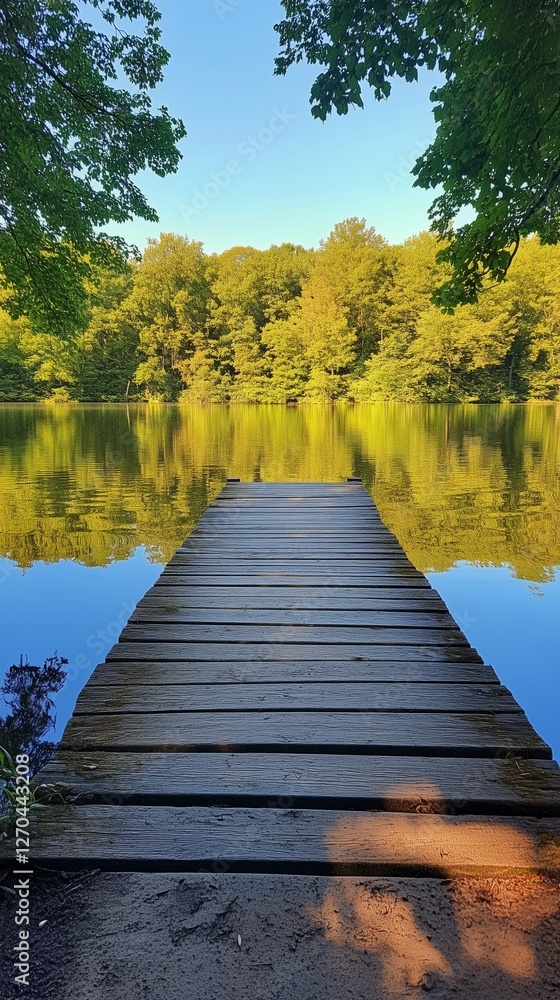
{"points": [[257, 169]]}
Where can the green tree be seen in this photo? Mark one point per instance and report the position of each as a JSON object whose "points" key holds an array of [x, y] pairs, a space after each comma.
{"points": [[252, 288], [283, 269], [73, 142], [328, 341], [284, 341], [353, 262], [107, 352], [497, 144], [168, 305], [51, 361], [413, 274], [429, 355], [237, 315], [203, 379], [15, 378], [353, 318], [535, 286], [453, 354]]}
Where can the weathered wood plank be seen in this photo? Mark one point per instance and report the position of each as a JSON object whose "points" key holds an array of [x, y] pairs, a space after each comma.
{"points": [[311, 671], [319, 527], [293, 489], [316, 527], [337, 534], [285, 562], [360, 563], [302, 540], [394, 784], [344, 494], [146, 612], [292, 503], [218, 550], [280, 559], [261, 652], [212, 577], [380, 697], [236, 564], [294, 507], [312, 634], [330, 840], [294, 486], [298, 570], [422, 734], [347, 485], [336, 497], [298, 598], [294, 540], [312, 521], [339, 497], [315, 531]]}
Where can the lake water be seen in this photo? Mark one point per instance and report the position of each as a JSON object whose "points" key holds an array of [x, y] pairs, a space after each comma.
{"points": [[94, 499]]}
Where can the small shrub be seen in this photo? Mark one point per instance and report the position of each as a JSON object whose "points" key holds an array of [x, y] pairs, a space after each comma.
{"points": [[60, 395], [27, 691], [9, 794]]}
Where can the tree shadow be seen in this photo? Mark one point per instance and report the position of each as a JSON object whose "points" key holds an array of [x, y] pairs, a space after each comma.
{"points": [[460, 919]]}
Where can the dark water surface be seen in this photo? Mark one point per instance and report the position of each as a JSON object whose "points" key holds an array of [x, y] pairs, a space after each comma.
{"points": [[93, 499]]}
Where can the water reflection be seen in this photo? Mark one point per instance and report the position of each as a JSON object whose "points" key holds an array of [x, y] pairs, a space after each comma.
{"points": [[474, 483], [28, 691]]}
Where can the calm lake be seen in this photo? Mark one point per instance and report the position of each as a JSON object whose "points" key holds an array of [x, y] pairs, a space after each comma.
{"points": [[94, 499]]}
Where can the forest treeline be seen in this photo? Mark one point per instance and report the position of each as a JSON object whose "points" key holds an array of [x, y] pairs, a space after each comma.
{"points": [[351, 320]]}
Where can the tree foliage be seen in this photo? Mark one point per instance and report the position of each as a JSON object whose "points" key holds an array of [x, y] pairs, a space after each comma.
{"points": [[497, 146], [353, 319], [27, 690], [73, 139]]}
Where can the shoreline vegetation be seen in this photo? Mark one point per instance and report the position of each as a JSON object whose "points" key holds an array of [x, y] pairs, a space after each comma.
{"points": [[61, 400], [352, 321], [27, 692]]}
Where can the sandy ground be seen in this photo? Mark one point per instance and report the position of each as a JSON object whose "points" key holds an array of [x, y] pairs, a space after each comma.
{"points": [[260, 937]]}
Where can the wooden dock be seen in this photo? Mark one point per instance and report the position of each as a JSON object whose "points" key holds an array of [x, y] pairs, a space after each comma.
{"points": [[293, 697]]}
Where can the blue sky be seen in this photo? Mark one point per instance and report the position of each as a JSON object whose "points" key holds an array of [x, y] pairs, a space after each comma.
{"points": [[257, 169]]}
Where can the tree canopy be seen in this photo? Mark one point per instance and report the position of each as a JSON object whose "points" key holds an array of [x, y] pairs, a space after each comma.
{"points": [[77, 125], [352, 319], [496, 151]]}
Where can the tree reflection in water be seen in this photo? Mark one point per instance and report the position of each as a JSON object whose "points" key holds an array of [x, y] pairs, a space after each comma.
{"points": [[27, 691], [477, 483]]}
